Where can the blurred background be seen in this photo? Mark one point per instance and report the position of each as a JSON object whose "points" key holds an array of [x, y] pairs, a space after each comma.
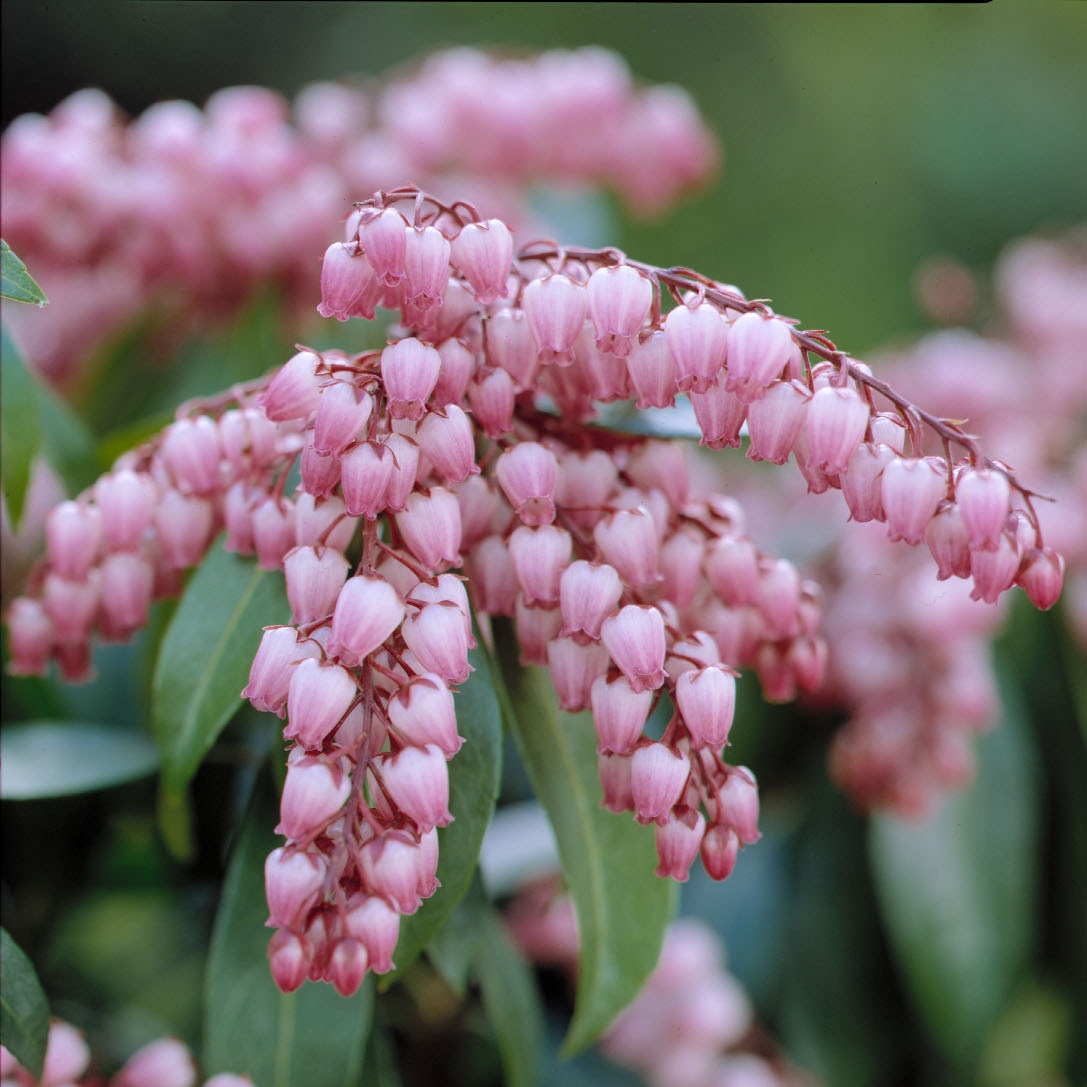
{"points": [[859, 142]]}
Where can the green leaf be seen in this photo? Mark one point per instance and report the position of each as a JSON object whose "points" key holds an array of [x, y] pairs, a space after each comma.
{"points": [[20, 426], [623, 908], [510, 999], [24, 1010], [60, 758], [16, 282], [839, 1017], [956, 891], [313, 1036], [453, 948], [205, 657], [473, 788], [67, 442]]}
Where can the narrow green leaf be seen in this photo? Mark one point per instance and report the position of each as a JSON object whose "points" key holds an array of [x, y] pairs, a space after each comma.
{"points": [[623, 908], [838, 1016], [381, 1066], [60, 758], [313, 1036], [16, 282], [173, 814], [510, 999], [956, 891], [67, 442], [473, 788], [206, 654], [20, 426], [24, 1010], [453, 948]]}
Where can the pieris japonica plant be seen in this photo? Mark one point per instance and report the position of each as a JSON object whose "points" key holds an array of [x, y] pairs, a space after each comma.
{"points": [[398, 555]]}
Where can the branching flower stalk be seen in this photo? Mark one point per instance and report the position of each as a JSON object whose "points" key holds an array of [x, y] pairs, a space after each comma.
{"points": [[455, 476]]}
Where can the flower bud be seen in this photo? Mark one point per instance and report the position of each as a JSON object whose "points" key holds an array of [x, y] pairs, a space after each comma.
{"points": [[737, 803], [484, 252], [368, 610], [293, 879], [540, 555], [619, 302], [912, 489], [289, 958], [634, 637], [588, 594], [281, 648], [409, 369], [422, 713], [527, 474], [836, 420], [313, 793], [983, 496], [759, 349], [555, 308], [707, 701], [165, 1062], [678, 839], [417, 781], [73, 537], [341, 417], [696, 338], [658, 776], [619, 713], [318, 698]]}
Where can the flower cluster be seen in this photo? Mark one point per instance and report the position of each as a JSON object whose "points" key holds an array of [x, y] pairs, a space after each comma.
{"points": [[465, 444], [692, 1024], [165, 1062], [188, 210], [910, 659]]}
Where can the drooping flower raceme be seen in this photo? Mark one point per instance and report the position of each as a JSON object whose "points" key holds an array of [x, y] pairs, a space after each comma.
{"points": [[453, 476]]}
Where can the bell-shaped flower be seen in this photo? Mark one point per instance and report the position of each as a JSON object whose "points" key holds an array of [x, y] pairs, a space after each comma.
{"points": [[759, 350], [678, 839], [588, 594], [634, 637], [619, 713], [737, 804], [318, 698], [314, 791], [911, 489], [293, 879], [368, 610], [422, 713], [437, 637], [417, 781], [619, 302], [707, 701], [527, 474], [73, 538], [484, 253], [409, 370], [556, 308], [430, 525], [697, 338], [658, 775]]}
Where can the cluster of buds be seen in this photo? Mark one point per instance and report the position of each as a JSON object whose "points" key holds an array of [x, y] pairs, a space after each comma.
{"points": [[93, 202], [910, 660], [691, 1025], [165, 1062], [465, 444], [128, 539]]}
